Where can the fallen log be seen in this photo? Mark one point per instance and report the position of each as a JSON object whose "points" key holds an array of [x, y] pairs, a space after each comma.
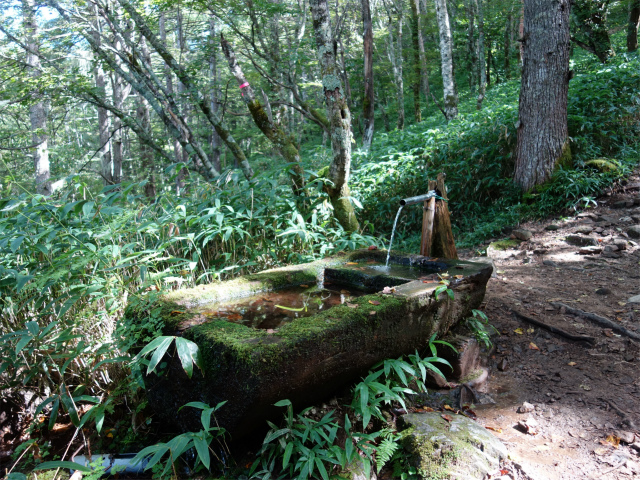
{"points": [[598, 319]]}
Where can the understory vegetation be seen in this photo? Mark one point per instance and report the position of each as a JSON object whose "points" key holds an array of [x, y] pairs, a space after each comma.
{"points": [[70, 263]]}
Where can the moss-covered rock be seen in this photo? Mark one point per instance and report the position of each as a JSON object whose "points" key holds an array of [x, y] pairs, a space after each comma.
{"points": [[311, 357], [459, 449]]}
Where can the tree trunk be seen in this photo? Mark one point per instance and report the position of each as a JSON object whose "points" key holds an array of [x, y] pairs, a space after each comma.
{"points": [[38, 109], [180, 44], [472, 51], [162, 30], [395, 57], [144, 118], [632, 27], [213, 76], [104, 136], [487, 77], [543, 140], [482, 89], [415, 31], [446, 54], [282, 141], [368, 102], [507, 47], [339, 118], [424, 79]]}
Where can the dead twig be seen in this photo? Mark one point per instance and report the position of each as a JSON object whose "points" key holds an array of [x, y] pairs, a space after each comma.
{"points": [[598, 319], [557, 331]]}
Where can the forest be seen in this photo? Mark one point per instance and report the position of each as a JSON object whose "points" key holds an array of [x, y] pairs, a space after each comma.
{"points": [[148, 146]]}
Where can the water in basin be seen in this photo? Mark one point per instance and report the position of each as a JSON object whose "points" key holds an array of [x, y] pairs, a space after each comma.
{"points": [[271, 310]]}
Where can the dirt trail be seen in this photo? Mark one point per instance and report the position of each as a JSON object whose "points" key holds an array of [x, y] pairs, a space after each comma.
{"points": [[585, 397]]}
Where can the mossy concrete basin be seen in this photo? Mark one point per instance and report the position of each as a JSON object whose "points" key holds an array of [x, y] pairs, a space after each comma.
{"points": [[306, 359]]}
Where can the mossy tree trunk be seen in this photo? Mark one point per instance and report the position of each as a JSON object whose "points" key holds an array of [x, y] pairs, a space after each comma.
{"points": [[543, 137], [282, 141], [339, 118]]}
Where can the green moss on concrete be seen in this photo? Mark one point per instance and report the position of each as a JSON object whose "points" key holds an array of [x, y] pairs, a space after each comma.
{"points": [[505, 244]]}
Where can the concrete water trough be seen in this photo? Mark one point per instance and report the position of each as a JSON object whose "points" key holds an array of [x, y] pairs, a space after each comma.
{"points": [[301, 332]]}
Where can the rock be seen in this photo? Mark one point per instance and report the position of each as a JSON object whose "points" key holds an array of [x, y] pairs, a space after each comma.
{"points": [[580, 241], [626, 220], [634, 231], [551, 227], [356, 471], [589, 250], [522, 234], [608, 218], [636, 201], [611, 248], [503, 364], [603, 291], [610, 254], [625, 437], [459, 448], [526, 407], [620, 242], [598, 230], [634, 299], [583, 229], [549, 263]]}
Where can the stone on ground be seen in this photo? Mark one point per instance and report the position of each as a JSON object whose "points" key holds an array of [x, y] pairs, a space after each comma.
{"points": [[458, 449]]}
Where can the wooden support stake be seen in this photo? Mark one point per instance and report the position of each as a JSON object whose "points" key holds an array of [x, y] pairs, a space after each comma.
{"points": [[443, 244], [427, 226]]}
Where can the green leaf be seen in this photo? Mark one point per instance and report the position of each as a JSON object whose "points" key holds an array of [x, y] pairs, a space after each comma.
{"points": [[23, 342], [16, 242], [63, 464], [282, 403], [287, 455], [189, 354], [160, 349], [322, 469], [21, 281], [202, 447]]}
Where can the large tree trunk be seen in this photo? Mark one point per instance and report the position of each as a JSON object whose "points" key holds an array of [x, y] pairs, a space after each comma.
{"points": [[368, 102], [446, 55], [180, 44], [482, 88], [543, 139], [38, 110], [632, 28], [339, 118]]}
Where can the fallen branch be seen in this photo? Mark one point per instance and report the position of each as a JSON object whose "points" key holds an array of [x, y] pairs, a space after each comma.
{"points": [[598, 319], [557, 331]]}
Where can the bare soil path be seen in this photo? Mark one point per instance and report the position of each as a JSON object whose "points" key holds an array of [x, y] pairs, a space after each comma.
{"points": [[585, 397]]}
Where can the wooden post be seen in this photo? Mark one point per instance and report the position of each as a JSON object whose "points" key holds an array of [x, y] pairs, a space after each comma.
{"points": [[443, 244], [437, 236], [427, 226]]}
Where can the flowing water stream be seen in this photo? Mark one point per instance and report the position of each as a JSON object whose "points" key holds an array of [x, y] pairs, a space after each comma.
{"points": [[393, 232]]}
